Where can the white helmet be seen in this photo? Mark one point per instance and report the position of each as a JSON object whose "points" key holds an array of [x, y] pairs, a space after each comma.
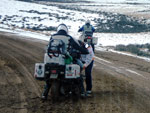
{"points": [[88, 22], [62, 27]]}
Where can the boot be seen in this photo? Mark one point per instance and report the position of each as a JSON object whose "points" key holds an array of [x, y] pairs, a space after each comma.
{"points": [[45, 92]]}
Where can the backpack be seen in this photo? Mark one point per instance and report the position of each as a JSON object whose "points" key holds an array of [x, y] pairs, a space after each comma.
{"points": [[88, 30], [56, 47]]}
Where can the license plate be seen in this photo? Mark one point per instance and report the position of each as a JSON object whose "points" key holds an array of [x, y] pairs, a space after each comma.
{"points": [[88, 40], [54, 76]]}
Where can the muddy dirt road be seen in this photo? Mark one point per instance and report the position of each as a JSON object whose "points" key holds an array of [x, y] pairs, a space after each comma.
{"points": [[121, 84]]}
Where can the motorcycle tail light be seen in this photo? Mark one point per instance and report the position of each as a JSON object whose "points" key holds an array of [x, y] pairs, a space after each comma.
{"points": [[53, 71]]}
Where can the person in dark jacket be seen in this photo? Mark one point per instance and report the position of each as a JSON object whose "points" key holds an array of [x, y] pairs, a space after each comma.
{"points": [[62, 31]]}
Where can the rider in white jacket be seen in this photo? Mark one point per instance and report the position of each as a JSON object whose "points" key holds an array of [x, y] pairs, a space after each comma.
{"points": [[88, 58], [88, 65]]}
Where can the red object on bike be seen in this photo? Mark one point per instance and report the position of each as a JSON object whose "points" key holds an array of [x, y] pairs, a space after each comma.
{"points": [[53, 71]]}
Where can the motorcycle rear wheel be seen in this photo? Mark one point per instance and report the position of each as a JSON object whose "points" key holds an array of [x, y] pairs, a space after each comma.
{"points": [[76, 94], [55, 91]]}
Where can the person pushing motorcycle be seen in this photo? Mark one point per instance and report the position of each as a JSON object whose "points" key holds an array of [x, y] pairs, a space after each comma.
{"points": [[88, 65]]}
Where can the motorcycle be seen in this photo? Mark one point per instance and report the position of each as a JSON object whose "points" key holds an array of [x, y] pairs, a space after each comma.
{"points": [[64, 77], [88, 38]]}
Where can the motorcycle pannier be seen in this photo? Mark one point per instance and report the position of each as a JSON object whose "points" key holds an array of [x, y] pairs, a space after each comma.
{"points": [[39, 71], [72, 71], [95, 40]]}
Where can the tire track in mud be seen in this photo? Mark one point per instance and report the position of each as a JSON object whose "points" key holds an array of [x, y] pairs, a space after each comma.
{"points": [[28, 75], [27, 88], [16, 97], [21, 66], [23, 102]]}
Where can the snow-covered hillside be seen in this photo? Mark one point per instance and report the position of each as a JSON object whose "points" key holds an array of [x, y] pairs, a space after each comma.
{"points": [[40, 17], [121, 1], [45, 18]]}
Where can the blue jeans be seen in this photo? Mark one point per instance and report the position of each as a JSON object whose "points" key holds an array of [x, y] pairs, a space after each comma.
{"points": [[88, 74]]}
